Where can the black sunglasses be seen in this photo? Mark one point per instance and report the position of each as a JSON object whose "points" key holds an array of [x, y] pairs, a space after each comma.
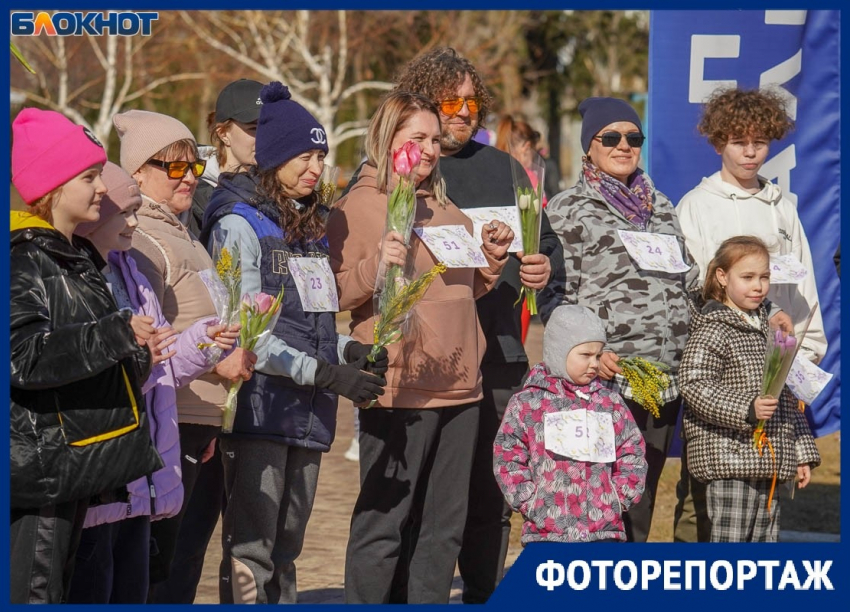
{"points": [[179, 169], [612, 139]]}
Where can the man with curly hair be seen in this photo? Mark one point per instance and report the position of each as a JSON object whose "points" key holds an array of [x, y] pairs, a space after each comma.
{"points": [[478, 175], [740, 124]]}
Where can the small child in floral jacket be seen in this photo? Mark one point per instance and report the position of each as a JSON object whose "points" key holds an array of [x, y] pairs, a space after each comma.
{"points": [[568, 454]]}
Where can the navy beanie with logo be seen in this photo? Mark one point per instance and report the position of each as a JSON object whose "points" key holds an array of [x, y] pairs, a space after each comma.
{"points": [[596, 113], [286, 129]]}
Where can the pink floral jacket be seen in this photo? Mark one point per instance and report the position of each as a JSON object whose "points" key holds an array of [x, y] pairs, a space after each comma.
{"points": [[562, 499]]}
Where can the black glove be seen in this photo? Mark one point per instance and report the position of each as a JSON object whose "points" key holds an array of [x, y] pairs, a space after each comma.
{"points": [[349, 381], [355, 353]]}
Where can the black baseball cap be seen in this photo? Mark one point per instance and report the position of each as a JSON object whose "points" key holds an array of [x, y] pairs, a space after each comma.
{"points": [[239, 100]]}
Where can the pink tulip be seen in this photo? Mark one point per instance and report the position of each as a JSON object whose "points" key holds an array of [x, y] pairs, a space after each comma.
{"points": [[247, 302], [414, 153], [263, 302], [401, 163]]}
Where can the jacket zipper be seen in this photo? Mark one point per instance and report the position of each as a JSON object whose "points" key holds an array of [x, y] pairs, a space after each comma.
{"points": [[152, 490]]}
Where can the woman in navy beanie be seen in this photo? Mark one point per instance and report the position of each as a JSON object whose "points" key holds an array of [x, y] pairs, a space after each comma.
{"points": [[645, 310], [286, 414]]}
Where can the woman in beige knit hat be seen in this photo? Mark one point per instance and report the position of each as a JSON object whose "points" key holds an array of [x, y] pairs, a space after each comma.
{"points": [[162, 155]]}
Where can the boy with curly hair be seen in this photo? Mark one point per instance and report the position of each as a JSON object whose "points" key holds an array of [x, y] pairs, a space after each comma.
{"points": [[740, 124]]}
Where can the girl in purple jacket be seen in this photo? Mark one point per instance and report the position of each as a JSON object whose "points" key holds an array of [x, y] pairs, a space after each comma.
{"points": [[568, 454], [113, 557]]}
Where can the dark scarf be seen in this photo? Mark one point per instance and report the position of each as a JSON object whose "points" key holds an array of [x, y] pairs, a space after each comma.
{"points": [[634, 202]]}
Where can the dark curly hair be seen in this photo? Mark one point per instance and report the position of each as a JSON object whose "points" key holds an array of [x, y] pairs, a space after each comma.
{"points": [[307, 224], [438, 73], [733, 113]]}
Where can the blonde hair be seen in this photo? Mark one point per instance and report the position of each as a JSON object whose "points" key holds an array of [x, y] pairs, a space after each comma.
{"points": [[731, 251], [395, 111]]}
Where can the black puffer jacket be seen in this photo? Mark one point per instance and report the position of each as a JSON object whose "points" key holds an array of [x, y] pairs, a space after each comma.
{"points": [[720, 376], [78, 425]]}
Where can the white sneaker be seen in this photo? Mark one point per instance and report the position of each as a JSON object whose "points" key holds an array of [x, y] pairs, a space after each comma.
{"points": [[353, 452]]}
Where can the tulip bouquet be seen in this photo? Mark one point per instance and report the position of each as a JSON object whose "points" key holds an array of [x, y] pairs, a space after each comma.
{"points": [[781, 350], [401, 210], [391, 318], [258, 315], [647, 380], [529, 201]]}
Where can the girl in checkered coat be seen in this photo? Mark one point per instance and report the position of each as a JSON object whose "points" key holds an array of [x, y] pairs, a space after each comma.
{"points": [[720, 378]]}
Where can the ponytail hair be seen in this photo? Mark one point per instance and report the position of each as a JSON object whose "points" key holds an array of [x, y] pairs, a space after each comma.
{"points": [[731, 251], [513, 132]]}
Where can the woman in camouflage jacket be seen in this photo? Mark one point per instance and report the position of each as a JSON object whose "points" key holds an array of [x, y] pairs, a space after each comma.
{"points": [[646, 312]]}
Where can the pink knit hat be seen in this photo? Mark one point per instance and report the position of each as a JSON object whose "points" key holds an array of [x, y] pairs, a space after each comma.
{"points": [[144, 134], [48, 150], [122, 193]]}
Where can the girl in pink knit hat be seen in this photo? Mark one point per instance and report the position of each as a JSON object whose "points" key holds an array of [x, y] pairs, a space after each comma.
{"points": [[78, 425]]}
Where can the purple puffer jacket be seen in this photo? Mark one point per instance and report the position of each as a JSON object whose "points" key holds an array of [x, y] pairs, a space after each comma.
{"points": [[160, 494]]}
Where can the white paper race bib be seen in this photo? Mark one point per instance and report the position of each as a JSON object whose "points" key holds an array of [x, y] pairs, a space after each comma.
{"points": [[806, 380], [580, 435], [315, 283], [655, 252], [506, 214], [786, 269], [452, 245]]}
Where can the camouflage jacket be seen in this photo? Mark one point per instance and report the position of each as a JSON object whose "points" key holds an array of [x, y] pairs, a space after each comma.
{"points": [[646, 313], [720, 376]]}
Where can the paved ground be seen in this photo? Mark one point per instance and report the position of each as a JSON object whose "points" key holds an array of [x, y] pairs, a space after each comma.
{"points": [[320, 567]]}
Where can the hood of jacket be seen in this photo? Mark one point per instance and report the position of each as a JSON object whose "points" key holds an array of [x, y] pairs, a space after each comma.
{"points": [[715, 185], [27, 227], [211, 171], [540, 377], [232, 188], [702, 311], [368, 179]]}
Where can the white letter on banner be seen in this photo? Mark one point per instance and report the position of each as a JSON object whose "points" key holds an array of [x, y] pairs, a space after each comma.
{"points": [[789, 576], [730, 575], [779, 167], [603, 578], [571, 575], [796, 18], [747, 570], [700, 566], [782, 73], [618, 575], [671, 570], [768, 573], [646, 575], [818, 574], [705, 46], [550, 581]]}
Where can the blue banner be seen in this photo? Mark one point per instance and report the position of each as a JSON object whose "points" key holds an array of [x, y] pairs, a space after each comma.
{"points": [[694, 52]]}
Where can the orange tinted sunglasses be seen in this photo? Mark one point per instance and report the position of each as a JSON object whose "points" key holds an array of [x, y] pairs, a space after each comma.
{"points": [[452, 106]]}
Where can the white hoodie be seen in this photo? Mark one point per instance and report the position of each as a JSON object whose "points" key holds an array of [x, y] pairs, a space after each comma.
{"points": [[716, 210]]}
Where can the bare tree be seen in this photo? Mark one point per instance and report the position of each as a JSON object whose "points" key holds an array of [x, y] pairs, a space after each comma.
{"points": [[91, 78], [305, 50]]}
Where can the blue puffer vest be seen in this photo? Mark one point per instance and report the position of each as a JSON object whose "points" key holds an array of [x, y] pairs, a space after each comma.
{"points": [[275, 407]]}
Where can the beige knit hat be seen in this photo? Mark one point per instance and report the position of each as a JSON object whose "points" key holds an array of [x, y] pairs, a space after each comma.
{"points": [[144, 134]]}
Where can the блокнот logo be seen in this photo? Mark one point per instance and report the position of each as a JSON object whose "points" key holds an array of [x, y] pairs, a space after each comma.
{"points": [[77, 23]]}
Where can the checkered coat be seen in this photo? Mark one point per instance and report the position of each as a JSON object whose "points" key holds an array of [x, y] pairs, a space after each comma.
{"points": [[720, 376]]}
